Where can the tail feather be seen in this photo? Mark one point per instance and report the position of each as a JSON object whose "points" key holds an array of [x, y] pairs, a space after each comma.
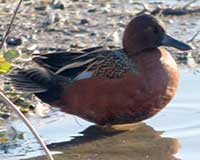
{"points": [[35, 80]]}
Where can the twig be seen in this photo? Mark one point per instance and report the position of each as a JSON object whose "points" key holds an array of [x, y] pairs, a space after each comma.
{"points": [[25, 120], [193, 37], [144, 5], [8, 102], [145, 8], [168, 11], [108, 36], [11, 24], [188, 4]]}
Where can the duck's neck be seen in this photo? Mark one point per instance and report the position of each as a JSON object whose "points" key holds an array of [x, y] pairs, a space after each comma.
{"points": [[129, 47], [141, 54]]}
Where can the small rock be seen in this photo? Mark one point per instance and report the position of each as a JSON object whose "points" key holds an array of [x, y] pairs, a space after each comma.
{"points": [[12, 41], [57, 4], [92, 10], [4, 115], [51, 19], [84, 21], [92, 34], [40, 6], [1, 37], [36, 51], [32, 47], [73, 45], [171, 21]]}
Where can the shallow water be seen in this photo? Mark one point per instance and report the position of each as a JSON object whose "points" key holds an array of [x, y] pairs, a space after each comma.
{"points": [[179, 139], [181, 118]]}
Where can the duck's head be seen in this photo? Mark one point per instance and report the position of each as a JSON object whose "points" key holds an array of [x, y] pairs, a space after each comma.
{"points": [[146, 32]]}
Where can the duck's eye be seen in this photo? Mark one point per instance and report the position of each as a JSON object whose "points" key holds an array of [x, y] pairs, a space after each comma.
{"points": [[155, 30]]}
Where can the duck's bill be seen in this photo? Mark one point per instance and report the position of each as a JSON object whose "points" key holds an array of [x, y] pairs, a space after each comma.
{"points": [[169, 41]]}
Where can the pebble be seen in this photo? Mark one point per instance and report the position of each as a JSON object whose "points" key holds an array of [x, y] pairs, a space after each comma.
{"points": [[32, 47], [40, 7], [92, 10], [1, 37], [83, 21], [58, 5], [12, 41]]}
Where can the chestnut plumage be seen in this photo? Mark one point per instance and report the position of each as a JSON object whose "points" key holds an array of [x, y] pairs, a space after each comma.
{"points": [[109, 86]]}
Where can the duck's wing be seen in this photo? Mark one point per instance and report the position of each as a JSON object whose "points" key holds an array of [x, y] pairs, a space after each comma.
{"points": [[109, 63], [56, 60]]}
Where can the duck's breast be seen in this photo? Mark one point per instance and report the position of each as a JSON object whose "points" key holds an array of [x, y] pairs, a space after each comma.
{"points": [[160, 72]]}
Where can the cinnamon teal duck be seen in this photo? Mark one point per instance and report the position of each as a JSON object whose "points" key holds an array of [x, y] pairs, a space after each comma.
{"points": [[118, 86]]}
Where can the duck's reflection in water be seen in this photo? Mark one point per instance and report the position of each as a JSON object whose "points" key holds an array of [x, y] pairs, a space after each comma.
{"points": [[125, 142]]}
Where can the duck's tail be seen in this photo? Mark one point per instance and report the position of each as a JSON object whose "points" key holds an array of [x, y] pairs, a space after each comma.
{"points": [[34, 80], [40, 81]]}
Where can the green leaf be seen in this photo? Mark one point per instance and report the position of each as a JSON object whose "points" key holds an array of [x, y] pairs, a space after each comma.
{"points": [[4, 65], [20, 136], [3, 137], [11, 54]]}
